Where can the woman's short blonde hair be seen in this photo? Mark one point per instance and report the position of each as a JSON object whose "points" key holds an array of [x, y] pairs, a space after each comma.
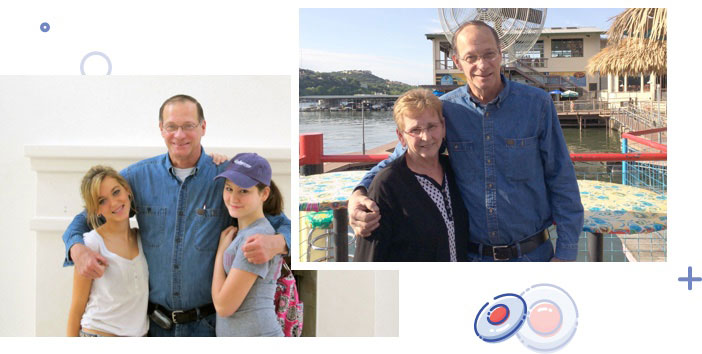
{"points": [[413, 103], [90, 190]]}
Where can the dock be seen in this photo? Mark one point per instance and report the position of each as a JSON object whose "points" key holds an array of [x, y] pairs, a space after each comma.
{"points": [[341, 103], [583, 119], [355, 166], [583, 114]]}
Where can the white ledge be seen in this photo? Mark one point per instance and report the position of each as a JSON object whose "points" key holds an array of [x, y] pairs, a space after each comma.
{"points": [[134, 152], [49, 223], [75, 158], [57, 224]]}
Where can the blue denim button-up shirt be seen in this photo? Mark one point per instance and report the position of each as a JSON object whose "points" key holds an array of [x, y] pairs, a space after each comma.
{"points": [[180, 224], [512, 165]]}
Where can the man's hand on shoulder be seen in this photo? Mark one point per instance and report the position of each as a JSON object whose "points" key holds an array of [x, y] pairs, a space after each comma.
{"points": [[260, 248], [218, 159], [364, 214], [88, 263]]}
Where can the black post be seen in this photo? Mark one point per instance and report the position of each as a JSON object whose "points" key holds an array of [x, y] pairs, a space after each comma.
{"points": [[308, 170], [341, 227], [595, 247]]}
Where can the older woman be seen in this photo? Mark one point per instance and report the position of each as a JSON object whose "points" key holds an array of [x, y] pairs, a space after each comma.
{"points": [[423, 216]]}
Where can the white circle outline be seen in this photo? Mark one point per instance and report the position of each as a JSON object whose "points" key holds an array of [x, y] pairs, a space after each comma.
{"points": [[101, 54]]}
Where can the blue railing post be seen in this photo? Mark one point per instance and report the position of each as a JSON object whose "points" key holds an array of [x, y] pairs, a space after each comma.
{"points": [[625, 149]]}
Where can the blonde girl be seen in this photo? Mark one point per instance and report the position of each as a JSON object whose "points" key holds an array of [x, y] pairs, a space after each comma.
{"points": [[114, 304]]}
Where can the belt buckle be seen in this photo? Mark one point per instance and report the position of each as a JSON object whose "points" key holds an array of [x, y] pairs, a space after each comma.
{"points": [[495, 250], [173, 315]]}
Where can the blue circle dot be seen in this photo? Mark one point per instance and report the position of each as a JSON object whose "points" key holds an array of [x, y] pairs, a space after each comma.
{"points": [[45, 27]]}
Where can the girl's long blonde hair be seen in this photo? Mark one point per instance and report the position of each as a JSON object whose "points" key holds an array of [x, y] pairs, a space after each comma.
{"points": [[90, 190]]}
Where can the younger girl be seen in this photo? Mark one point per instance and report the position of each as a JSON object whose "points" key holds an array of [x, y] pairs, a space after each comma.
{"points": [[114, 304], [243, 292]]}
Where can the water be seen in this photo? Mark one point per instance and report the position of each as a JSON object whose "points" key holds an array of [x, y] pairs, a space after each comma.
{"points": [[343, 132]]}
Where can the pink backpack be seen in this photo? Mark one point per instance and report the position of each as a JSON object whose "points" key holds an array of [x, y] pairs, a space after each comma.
{"points": [[288, 306]]}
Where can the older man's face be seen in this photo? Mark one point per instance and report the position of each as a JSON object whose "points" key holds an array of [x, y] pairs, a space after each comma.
{"points": [[478, 56], [182, 132]]}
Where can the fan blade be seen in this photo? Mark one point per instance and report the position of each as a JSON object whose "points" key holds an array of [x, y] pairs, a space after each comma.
{"points": [[534, 15]]}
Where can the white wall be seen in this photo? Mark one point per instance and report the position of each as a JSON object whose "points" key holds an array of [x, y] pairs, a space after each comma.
{"points": [[357, 303], [387, 299], [41, 114]]}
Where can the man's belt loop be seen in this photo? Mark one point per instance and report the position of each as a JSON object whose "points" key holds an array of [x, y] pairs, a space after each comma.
{"points": [[519, 250]]}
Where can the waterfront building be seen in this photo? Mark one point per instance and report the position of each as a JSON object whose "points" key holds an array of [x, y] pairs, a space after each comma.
{"points": [[557, 60], [635, 47]]}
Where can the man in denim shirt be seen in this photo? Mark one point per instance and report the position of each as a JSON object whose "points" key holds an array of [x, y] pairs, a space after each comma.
{"points": [[510, 159], [181, 215]]}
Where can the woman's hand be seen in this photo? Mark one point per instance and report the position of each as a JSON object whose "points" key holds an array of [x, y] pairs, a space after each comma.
{"points": [[226, 237]]}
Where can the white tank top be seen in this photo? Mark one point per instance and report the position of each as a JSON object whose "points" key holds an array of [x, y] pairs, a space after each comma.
{"points": [[118, 300]]}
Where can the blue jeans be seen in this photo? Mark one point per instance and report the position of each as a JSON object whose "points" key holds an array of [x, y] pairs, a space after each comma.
{"points": [[202, 328], [543, 253], [86, 334]]}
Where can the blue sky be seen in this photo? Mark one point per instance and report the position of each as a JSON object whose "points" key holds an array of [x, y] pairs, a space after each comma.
{"points": [[391, 42]]}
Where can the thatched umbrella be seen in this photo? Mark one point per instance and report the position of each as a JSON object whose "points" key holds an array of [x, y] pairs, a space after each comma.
{"points": [[637, 44], [631, 56]]}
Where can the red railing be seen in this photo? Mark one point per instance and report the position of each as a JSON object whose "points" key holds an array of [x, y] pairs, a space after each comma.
{"points": [[636, 136], [634, 156], [311, 148]]}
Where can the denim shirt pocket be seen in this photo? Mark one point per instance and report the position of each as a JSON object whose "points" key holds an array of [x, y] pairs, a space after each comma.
{"points": [[206, 240], [462, 151], [152, 224], [523, 158]]}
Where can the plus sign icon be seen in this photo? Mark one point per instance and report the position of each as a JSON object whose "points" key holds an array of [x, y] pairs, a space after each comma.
{"points": [[689, 279]]}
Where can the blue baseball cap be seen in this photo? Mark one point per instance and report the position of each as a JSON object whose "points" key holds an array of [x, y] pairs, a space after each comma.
{"points": [[247, 170]]}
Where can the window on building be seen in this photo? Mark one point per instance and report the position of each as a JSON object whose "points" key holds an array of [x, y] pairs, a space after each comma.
{"points": [[663, 81], [646, 83], [536, 52], [604, 82], [532, 57], [633, 83], [566, 48]]}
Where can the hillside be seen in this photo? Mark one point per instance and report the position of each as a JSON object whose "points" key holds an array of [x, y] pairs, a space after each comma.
{"points": [[348, 82]]}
